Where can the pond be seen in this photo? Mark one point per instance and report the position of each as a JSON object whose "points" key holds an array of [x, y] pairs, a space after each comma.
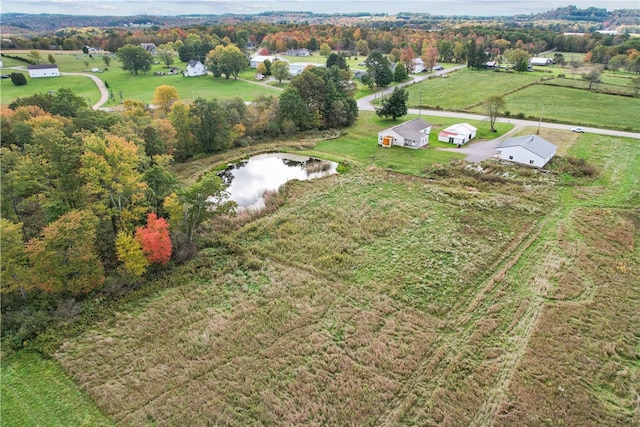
{"points": [[248, 180]]}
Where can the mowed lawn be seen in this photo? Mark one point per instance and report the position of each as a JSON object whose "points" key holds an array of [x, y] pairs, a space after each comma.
{"points": [[81, 86], [37, 392]]}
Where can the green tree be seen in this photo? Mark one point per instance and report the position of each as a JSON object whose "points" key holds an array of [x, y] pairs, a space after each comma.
{"points": [[51, 59], [293, 108], [400, 74], [379, 68], [395, 105], [64, 259], [191, 206], [593, 77], [519, 58], [35, 57], [635, 85], [14, 265], [325, 49], [280, 70], [107, 60], [337, 60], [475, 56], [362, 47], [493, 105], [617, 62], [135, 58], [212, 129], [184, 125], [166, 56], [18, 79], [227, 60]]}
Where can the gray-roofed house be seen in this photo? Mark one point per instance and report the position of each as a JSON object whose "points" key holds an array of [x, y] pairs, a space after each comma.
{"points": [[43, 70], [411, 134], [530, 150]]}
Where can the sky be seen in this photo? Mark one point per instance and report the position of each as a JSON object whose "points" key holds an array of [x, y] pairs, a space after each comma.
{"points": [[212, 7]]}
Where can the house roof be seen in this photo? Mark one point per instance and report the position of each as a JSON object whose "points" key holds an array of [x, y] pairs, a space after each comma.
{"points": [[533, 143], [411, 129], [459, 129], [42, 66], [193, 63]]}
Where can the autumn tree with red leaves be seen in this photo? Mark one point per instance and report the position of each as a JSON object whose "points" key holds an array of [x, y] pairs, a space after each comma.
{"points": [[155, 239]]}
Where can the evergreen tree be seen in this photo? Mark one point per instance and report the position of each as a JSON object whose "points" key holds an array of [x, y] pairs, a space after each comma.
{"points": [[379, 67], [400, 73], [395, 105]]}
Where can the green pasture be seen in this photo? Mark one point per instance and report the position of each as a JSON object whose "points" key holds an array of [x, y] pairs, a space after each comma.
{"points": [[465, 88], [37, 392], [619, 87], [575, 106], [81, 86]]}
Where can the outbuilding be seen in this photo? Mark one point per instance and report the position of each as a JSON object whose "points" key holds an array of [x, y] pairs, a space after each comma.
{"points": [[459, 134], [541, 62], [411, 134], [530, 150], [43, 70]]}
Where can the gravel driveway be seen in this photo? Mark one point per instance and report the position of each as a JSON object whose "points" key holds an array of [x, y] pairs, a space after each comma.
{"points": [[478, 151]]}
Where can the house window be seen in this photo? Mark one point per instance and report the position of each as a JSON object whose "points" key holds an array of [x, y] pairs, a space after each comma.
{"points": [[451, 140], [510, 157], [530, 162]]}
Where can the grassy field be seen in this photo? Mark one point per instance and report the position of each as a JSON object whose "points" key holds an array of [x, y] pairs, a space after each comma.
{"points": [[375, 297], [37, 392], [81, 86], [575, 106]]}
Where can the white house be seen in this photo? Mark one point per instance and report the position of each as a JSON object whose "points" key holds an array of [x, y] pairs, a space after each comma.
{"points": [[194, 69], [530, 150], [541, 61], [411, 134], [298, 52], [259, 59], [43, 70], [459, 134], [417, 66]]}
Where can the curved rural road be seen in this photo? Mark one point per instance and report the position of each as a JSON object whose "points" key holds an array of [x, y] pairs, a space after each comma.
{"points": [[104, 93]]}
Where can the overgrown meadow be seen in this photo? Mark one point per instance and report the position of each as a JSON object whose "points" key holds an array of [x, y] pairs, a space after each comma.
{"points": [[373, 297]]}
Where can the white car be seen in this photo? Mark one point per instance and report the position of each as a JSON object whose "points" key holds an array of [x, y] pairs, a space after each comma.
{"points": [[579, 130]]}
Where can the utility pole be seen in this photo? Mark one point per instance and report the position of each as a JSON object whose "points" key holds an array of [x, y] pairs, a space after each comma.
{"points": [[540, 122]]}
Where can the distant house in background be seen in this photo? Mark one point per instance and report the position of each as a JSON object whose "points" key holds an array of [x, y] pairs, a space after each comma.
{"points": [[149, 47], [417, 66], [541, 61], [195, 69], [357, 74], [43, 70], [298, 67], [530, 150], [259, 59], [459, 134], [411, 134], [298, 52]]}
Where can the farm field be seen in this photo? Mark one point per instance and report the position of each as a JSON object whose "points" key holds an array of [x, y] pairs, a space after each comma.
{"points": [[575, 106], [374, 297], [81, 86]]}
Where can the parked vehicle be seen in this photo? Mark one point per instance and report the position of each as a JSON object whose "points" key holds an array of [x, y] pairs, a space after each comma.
{"points": [[578, 130]]}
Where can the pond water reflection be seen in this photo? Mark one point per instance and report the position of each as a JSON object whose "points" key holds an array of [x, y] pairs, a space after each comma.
{"points": [[248, 180]]}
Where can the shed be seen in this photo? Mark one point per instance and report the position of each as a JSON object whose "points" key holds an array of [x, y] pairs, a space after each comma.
{"points": [[411, 134], [298, 67], [43, 70], [530, 150], [417, 66], [459, 134], [194, 69]]}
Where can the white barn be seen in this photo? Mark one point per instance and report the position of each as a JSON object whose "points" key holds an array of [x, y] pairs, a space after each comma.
{"points": [[411, 134], [43, 70], [459, 134], [530, 150], [194, 69], [298, 67], [541, 61], [417, 66]]}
